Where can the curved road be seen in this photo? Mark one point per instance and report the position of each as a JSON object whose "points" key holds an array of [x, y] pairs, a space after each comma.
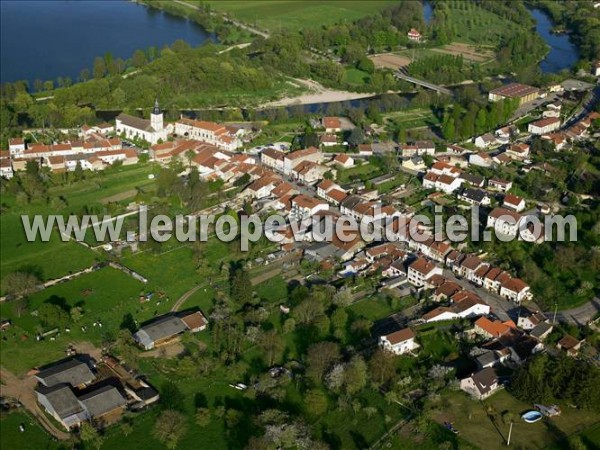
{"points": [[581, 315]]}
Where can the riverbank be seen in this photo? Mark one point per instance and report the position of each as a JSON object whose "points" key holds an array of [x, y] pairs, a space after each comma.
{"points": [[317, 94]]}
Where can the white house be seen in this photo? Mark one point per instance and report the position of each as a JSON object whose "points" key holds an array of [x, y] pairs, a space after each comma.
{"points": [[422, 270], [344, 160], [485, 141], [505, 221], [414, 35], [290, 160], [518, 151], [544, 126], [481, 159], [515, 289], [399, 342], [513, 202], [272, 158], [304, 206], [481, 384], [499, 185], [444, 183], [16, 146]]}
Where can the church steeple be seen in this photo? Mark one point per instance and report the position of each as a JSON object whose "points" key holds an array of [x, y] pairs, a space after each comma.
{"points": [[156, 118]]}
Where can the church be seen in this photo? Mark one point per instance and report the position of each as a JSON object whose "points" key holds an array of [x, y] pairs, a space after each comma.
{"points": [[152, 130]]}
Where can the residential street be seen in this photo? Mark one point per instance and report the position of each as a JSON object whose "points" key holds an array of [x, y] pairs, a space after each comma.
{"points": [[577, 316], [504, 309]]}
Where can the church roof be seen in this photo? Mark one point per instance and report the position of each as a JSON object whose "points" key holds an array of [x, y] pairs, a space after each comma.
{"points": [[135, 122]]}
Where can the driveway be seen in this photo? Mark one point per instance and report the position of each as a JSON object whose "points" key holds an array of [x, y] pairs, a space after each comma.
{"points": [[21, 389]]}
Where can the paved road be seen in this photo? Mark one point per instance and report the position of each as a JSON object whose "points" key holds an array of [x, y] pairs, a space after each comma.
{"points": [[577, 316], [21, 389], [503, 309], [586, 108]]}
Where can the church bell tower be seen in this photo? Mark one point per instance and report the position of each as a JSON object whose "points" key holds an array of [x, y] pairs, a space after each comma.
{"points": [[156, 117]]}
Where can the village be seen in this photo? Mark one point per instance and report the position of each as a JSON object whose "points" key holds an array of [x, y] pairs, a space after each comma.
{"points": [[492, 306]]}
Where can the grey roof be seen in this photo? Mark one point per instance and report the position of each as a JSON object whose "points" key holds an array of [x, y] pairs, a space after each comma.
{"points": [[135, 122], [103, 400], [72, 371], [163, 328], [351, 201], [62, 399], [321, 250], [477, 195], [486, 359], [484, 379], [540, 329], [473, 179]]}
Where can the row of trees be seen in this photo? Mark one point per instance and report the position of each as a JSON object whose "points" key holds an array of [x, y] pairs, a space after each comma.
{"points": [[459, 123], [546, 379]]}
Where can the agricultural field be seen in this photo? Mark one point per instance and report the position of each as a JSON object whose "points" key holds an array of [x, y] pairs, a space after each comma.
{"points": [[473, 53], [281, 14], [475, 25], [413, 118], [392, 61], [119, 186], [105, 295]]}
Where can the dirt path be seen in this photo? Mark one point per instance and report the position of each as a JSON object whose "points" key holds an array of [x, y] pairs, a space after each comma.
{"points": [[166, 351], [22, 390], [184, 297]]}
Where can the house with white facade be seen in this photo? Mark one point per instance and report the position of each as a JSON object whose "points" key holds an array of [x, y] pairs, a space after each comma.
{"points": [[482, 384], [513, 202], [422, 270], [399, 342], [544, 126]]}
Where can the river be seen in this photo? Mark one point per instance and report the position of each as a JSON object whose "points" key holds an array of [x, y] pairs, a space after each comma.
{"points": [[49, 39], [563, 53]]}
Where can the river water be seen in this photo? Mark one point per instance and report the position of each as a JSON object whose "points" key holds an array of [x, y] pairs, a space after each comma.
{"points": [[563, 53], [58, 38]]}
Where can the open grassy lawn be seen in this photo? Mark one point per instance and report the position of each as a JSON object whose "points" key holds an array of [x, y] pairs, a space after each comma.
{"points": [[371, 308], [471, 419], [280, 14], [273, 290], [34, 437], [47, 260], [363, 172], [105, 295], [355, 76]]}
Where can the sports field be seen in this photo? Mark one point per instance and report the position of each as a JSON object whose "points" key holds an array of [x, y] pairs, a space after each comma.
{"points": [[282, 14]]}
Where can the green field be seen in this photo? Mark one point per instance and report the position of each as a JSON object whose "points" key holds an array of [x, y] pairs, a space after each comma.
{"points": [[34, 437], [106, 295], [56, 258], [471, 418], [355, 76], [284, 14]]}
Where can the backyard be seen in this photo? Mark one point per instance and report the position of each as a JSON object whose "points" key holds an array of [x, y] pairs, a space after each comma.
{"points": [[473, 420]]}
